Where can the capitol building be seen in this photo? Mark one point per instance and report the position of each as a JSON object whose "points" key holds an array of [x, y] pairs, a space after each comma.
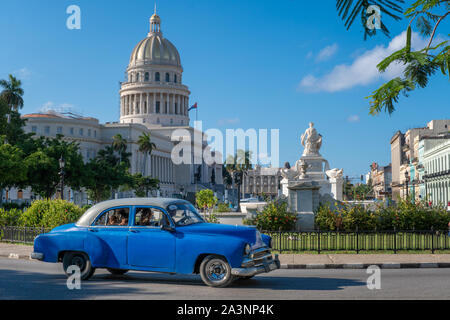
{"points": [[153, 99]]}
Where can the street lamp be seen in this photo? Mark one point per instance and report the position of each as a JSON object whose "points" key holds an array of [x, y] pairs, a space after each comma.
{"points": [[406, 181], [62, 164]]}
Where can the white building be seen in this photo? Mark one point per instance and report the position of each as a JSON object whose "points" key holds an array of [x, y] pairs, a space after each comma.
{"points": [[435, 169], [154, 100]]}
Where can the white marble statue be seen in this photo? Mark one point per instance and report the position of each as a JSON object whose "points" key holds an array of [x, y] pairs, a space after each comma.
{"points": [[311, 140], [335, 173]]}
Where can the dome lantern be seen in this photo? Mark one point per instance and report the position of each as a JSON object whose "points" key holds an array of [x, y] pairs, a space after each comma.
{"points": [[155, 23]]}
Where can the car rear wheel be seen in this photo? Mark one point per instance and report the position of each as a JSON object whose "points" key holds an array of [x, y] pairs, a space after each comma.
{"points": [[117, 272], [216, 272], [82, 261]]}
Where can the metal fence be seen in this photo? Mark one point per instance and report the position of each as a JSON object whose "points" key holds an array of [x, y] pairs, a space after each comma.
{"points": [[319, 241], [20, 234]]}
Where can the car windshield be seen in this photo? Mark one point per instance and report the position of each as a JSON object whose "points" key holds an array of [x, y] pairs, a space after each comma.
{"points": [[184, 214]]}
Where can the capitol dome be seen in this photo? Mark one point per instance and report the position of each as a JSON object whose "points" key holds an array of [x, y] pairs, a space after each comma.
{"points": [[155, 49], [153, 93]]}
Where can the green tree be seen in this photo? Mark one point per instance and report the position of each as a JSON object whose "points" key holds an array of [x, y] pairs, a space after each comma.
{"points": [[12, 93], [205, 199], [43, 166], [146, 146], [105, 173], [13, 170], [143, 185], [11, 125], [348, 10], [119, 145]]}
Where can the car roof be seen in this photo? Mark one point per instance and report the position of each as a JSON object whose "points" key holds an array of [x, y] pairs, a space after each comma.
{"points": [[89, 216]]}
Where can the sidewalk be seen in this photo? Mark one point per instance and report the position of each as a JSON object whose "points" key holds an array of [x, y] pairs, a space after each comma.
{"points": [[309, 261]]}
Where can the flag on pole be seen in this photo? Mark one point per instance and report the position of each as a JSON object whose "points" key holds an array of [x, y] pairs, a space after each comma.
{"points": [[193, 107]]}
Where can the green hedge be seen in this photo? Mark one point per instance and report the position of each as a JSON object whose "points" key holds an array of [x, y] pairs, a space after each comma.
{"points": [[402, 216], [50, 214], [274, 217], [10, 217]]}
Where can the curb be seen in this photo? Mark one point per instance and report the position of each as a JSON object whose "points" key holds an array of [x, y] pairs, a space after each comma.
{"points": [[15, 256], [407, 265]]}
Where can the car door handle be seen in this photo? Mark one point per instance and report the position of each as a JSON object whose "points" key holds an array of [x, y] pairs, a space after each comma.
{"points": [[134, 231], [93, 230]]}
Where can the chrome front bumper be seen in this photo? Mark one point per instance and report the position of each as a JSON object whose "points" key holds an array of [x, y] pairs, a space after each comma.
{"points": [[37, 256], [267, 264]]}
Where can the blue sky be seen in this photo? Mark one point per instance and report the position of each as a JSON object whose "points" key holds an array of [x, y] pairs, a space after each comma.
{"points": [[248, 64]]}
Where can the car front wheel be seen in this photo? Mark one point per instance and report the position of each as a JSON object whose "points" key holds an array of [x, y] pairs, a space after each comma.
{"points": [[82, 261], [216, 272]]}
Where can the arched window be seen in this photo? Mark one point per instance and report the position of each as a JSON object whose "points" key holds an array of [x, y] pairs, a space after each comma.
{"points": [[167, 77], [157, 77], [137, 77], [131, 77], [175, 78], [147, 76]]}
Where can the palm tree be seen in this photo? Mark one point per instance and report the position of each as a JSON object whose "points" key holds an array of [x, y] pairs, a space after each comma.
{"points": [[238, 166], [146, 146], [348, 10], [119, 145], [12, 93]]}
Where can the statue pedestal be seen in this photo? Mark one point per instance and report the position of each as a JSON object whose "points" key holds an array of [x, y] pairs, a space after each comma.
{"points": [[304, 200], [337, 188]]}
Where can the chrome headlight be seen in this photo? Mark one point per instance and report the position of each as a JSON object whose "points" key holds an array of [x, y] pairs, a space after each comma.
{"points": [[247, 249]]}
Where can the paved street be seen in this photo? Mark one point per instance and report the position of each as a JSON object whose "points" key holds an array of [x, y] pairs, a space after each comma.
{"points": [[22, 279]]}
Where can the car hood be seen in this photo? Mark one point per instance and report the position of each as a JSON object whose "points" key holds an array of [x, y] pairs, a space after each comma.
{"points": [[249, 234]]}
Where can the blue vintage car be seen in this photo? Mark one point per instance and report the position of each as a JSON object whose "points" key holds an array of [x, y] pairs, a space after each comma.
{"points": [[158, 235]]}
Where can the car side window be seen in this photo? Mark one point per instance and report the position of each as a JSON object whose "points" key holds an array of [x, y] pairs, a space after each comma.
{"points": [[114, 217], [149, 217]]}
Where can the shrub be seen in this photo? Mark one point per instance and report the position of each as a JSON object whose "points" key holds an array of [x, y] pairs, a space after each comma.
{"points": [[205, 199], [211, 218], [10, 217], [404, 215], [50, 214], [223, 207], [275, 217]]}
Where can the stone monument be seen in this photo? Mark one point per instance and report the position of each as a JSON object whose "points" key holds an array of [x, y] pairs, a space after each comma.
{"points": [[310, 181]]}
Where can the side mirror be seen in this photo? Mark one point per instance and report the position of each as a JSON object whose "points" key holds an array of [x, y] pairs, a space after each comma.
{"points": [[166, 227]]}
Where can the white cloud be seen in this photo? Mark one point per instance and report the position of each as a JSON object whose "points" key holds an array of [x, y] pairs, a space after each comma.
{"points": [[23, 74], [363, 70], [224, 121], [327, 52], [353, 118]]}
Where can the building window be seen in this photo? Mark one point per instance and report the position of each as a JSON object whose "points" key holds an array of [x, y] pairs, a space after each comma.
{"points": [[175, 78], [81, 131], [95, 133], [176, 108], [147, 76], [137, 77], [157, 76], [158, 107], [165, 108], [171, 121], [34, 129], [89, 132], [167, 77], [59, 130], [47, 130], [131, 77], [71, 131]]}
